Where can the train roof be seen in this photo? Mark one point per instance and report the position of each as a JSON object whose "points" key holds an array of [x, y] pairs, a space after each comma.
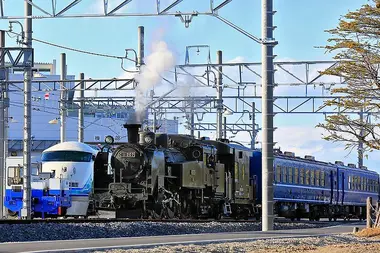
{"points": [[317, 162], [71, 146], [225, 147]]}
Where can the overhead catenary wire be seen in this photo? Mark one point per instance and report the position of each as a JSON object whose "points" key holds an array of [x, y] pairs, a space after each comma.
{"points": [[57, 114], [122, 58]]}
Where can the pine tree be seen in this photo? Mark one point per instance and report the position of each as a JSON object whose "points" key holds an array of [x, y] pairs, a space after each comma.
{"points": [[356, 45]]}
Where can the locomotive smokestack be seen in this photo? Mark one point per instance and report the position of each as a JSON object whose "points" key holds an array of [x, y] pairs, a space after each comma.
{"points": [[133, 132]]}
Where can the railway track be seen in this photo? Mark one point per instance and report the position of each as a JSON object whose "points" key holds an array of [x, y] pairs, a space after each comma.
{"points": [[109, 220]]}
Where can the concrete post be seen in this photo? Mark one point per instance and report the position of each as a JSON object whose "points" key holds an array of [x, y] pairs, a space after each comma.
{"points": [[27, 170], [267, 114], [369, 211], [140, 46], [81, 110], [62, 104], [219, 97]]}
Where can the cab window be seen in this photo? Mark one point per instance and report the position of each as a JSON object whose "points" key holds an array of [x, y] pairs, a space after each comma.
{"points": [[66, 156]]}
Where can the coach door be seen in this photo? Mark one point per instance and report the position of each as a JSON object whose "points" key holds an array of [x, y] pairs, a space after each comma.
{"points": [[332, 195], [341, 183]]}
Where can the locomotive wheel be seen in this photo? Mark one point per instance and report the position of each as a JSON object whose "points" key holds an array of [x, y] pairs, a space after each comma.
{"points": [[12, 214]]}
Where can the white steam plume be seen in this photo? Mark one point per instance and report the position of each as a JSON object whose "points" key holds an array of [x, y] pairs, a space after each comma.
{"points": [[160, 60]]}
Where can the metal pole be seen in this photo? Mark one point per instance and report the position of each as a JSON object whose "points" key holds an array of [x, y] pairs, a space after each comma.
{"points": [[253, 126], [140, 46], [26, 206], [6, 126], [219, 97], [62, 103], [225, 127], [81, 110], [360, 146], [154, 122], [192, 117], [2, 131], [267, 114]]}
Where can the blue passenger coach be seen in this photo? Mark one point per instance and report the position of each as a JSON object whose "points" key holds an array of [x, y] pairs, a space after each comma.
{"points": [[306, 188]]}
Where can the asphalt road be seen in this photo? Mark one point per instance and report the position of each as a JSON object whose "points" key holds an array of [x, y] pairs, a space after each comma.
{"points": [[137, 242]]}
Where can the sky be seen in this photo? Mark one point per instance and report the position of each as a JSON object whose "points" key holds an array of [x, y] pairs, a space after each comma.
{"points": [[300, 29]]}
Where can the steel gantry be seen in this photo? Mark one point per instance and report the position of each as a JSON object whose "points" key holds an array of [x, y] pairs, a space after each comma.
{"points": [[239, 85]]}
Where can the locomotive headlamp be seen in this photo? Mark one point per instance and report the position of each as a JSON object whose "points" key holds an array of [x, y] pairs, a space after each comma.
{"points": [[109, 139], [148, 139]]}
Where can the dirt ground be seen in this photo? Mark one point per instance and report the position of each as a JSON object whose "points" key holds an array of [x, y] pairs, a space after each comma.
{"points": [[341, 248], [367, 240]]}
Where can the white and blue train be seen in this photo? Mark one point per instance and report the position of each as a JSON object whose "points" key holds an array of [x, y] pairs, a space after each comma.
{"points": [[62, 181]]}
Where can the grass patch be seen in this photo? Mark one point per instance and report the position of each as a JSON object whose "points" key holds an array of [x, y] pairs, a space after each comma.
{"points": [[369, 232]]}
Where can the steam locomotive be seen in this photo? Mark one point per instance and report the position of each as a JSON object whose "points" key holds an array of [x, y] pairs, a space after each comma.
{"points": [[173, 176]]}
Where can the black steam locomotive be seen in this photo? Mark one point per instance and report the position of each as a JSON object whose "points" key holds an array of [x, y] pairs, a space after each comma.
{"points": [[174, 176]]}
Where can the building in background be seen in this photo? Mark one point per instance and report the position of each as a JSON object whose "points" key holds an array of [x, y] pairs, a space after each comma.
{"points": [[98, 121]]}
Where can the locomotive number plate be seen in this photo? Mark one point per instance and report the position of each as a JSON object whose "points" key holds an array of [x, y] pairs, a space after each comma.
{"points": [[129, 154]]}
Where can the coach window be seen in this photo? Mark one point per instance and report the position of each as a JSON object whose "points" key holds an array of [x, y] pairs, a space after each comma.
{"points": [[302, 176], [356, 182], [284, 174], [349, 182], [278, 173], [322, 178], [307, 177], [365, 184], [296, 175], [290, 174], [317, 178], [312, 177], [362, 183]]}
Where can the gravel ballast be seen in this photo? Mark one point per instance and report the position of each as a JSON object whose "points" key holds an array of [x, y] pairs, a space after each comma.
{"points": [[68, 231]]}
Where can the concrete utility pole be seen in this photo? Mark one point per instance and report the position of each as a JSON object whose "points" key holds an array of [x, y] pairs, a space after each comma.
{"points": [[81, 110], [361, 146], [253, 126], [219, 96], [27, 170], [140, 46], [2, 131], [62, 104], [267, 114], [6, 126]]}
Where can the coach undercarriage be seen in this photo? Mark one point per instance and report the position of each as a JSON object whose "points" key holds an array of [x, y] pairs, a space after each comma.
{"points": [[314, 212]]}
